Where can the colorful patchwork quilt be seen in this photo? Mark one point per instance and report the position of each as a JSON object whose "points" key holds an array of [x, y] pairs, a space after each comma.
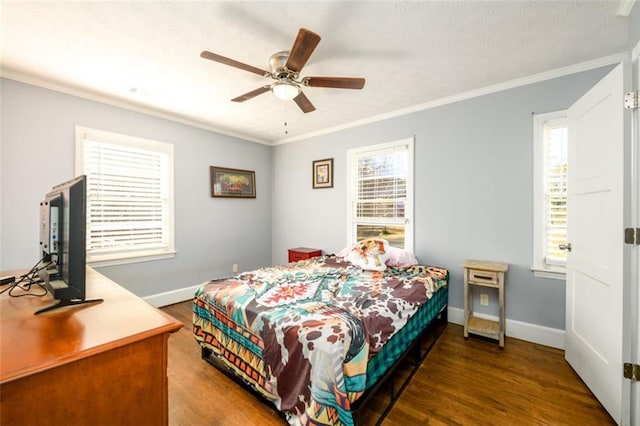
{"points": [[301, 334]]}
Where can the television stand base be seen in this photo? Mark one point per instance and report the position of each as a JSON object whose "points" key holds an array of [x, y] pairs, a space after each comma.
{"points": [[66, 302]]}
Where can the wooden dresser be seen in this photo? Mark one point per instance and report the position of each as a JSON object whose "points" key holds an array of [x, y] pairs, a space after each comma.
{"points": [[98, 364], [301, 253]]}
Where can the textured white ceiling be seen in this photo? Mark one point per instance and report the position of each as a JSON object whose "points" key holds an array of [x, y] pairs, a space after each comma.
{"points": [[146, 53]]}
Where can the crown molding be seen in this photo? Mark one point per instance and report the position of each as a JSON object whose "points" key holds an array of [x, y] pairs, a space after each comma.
{"points": [[120, 103], [625, 7], [536, 78], [113, 101]]}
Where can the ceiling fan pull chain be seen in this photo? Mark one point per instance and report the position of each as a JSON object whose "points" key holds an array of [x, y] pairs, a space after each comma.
{"points": [[285, 113]]}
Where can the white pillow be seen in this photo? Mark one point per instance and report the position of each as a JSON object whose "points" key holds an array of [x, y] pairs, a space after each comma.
{"points": [[370, 254], [400, 258]]}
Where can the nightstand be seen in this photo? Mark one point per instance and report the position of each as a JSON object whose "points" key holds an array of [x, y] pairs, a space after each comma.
{"points": [[301, 253], [484, 274]]}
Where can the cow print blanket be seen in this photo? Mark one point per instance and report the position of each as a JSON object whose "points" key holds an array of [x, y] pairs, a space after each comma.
{"points": [[319, 321]]}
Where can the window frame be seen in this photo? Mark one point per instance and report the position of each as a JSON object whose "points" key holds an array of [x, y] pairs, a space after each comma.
{"points": [[127, 256], [539, 266], [409, 228]]}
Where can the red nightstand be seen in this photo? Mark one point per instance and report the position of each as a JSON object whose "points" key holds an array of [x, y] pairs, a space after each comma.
{"points": [[301, 253]]}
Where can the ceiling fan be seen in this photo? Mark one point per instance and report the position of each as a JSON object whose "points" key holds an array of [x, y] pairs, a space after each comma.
{"points": [[285, 70]]}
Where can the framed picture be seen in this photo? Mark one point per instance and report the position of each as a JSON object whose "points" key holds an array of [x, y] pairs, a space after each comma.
{"points": [[323, 173], [232, 183]]}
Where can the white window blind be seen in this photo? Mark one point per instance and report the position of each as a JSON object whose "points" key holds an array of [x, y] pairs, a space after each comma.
{"points": [[129, 195], [555, 190], [550, 194], [381, 196]]}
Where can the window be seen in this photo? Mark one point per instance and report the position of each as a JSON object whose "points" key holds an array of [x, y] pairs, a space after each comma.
{"points": [[129, 196], [380, 188], [550, 194]]}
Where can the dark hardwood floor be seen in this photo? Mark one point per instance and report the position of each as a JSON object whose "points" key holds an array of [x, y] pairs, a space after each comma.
{"points": [[461, 382]]}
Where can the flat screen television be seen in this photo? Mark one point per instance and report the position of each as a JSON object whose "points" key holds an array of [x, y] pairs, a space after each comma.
{"points": [[63, 224]]}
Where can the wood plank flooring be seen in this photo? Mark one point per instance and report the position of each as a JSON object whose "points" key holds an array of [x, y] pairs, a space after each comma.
{"points": [[461, 382]]}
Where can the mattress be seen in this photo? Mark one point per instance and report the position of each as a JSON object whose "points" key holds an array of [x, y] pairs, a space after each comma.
{"points": [[379, 364]]}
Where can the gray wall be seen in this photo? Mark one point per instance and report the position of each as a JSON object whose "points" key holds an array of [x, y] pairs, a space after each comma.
{"points": [[473, 189], [37, 152]]}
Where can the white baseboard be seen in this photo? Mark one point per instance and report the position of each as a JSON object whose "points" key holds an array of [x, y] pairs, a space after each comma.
{"points": [[533, 333], [171, 297], [520, 330]]}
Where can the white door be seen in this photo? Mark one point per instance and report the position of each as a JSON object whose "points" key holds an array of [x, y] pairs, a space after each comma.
{"points": [[597, 313]]}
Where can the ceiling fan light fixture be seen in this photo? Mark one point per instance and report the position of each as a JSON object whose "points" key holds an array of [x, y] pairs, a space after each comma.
{"points": [[285, 90]]}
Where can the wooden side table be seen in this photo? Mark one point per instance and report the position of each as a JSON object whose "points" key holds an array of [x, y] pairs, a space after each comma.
{"points": [[301, 253], [485, 274]]}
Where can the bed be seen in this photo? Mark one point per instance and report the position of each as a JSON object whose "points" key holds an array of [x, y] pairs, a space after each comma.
{"points": [[315, 336]]}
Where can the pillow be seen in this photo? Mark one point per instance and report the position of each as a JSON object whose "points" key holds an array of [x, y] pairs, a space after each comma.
{"points": [[370, 254], [400, 258], [345, 251]]}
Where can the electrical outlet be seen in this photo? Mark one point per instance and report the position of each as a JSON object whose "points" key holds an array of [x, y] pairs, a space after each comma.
{"points": [[484, 299], [234, 267]]}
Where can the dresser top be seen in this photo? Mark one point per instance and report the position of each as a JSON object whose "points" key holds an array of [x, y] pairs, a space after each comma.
{"points": [[485, 265], [33, 343], [304, 249]]}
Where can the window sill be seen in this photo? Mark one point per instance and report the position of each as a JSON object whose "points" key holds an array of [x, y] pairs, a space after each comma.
{"points": [[98, 263], [549, 273]]}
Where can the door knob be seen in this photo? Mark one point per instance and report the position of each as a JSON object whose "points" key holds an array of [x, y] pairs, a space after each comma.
{"points": [[566, 247]]}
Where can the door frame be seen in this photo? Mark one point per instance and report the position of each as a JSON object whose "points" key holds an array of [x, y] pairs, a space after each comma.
{"points": [[634, 257]]}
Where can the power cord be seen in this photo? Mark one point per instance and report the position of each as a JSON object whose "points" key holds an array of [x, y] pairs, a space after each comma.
{"points": [[25, 281]]}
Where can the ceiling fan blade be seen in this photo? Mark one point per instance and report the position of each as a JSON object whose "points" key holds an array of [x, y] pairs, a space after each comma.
{"points": [[302, 48], [335, 82], [251, 94], [304, 103], [232, 63]]}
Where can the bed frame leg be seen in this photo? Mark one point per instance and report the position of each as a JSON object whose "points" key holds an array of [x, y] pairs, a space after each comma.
{"points": [[205, 352]]}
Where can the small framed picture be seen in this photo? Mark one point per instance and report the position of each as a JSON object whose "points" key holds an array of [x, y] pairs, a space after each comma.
{"points": [[323, 173], [232, 183]]}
